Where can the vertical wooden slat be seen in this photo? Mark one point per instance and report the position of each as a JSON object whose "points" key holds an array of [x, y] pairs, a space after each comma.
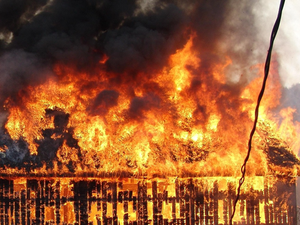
{"points": [[140, 210], [159, 207], [28, 203], [189, 202], [256, 211], [215, 202], [114, 202], [145, 203], [292, 205], [248, 213], [126, 198], [82, 191], [7, 201], [225, 210], [43, 196], [197, 205], [201, 203], [284, 221], [98, 184], [206, 206], [173, 201], [11, 196], [35, 202], [57, 202], [91, 189], [154, 197], [98, 201], [242, 211], [76, 203], [1, 202], [266, 201], [23, 207], [250, 208], [231, 197], [104, 201], [271, 211], [181, 200], [133, 199]]}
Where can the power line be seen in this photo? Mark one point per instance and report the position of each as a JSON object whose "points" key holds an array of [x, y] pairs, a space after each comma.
{"points": [[266, 73]]}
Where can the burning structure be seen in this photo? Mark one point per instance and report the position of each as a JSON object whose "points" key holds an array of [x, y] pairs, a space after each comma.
{"points": [[137, 113], [144, 201]]}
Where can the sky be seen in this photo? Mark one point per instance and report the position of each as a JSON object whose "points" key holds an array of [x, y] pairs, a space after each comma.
{"points": [[287, 43]]}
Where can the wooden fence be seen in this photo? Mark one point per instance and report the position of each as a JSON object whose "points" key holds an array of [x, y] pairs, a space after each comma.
{"points": [[141, 201]]}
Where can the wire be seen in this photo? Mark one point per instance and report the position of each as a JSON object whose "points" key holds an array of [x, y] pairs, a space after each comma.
{"points": [[266, 73]]}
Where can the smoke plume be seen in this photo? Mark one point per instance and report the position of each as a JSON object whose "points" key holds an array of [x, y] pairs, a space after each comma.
{"points": [[131, 41]]}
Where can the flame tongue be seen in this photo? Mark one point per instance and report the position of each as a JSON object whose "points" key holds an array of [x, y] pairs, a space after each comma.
{"points": [[179, 121]]}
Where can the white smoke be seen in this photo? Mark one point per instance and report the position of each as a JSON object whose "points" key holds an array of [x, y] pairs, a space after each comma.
{"points": [[287, 43]]}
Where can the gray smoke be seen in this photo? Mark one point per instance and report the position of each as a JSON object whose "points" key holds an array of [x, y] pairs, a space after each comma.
{"points": [[134, 35], [137, 36]]}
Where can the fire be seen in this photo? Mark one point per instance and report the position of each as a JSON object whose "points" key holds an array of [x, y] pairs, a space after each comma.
{"points": [[180, 121], [125, 112], [206, 200]]}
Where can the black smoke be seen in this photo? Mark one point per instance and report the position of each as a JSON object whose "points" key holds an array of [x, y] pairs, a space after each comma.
{"points": [[36, 34], [137, 36], [104, 101], [139, 105]]}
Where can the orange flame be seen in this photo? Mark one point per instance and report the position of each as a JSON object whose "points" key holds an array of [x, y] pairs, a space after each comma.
{"points": [[184, 121]]}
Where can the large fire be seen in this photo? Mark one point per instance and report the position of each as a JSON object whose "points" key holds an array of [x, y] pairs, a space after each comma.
{"points": [[133, 112], [180, 121]]}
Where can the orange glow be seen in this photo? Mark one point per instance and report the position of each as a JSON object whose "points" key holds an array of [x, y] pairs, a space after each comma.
{"points": [[206, 200], [182, 121]]}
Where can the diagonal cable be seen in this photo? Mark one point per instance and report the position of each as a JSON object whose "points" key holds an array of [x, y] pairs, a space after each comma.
{"points": [[266, 73]]}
